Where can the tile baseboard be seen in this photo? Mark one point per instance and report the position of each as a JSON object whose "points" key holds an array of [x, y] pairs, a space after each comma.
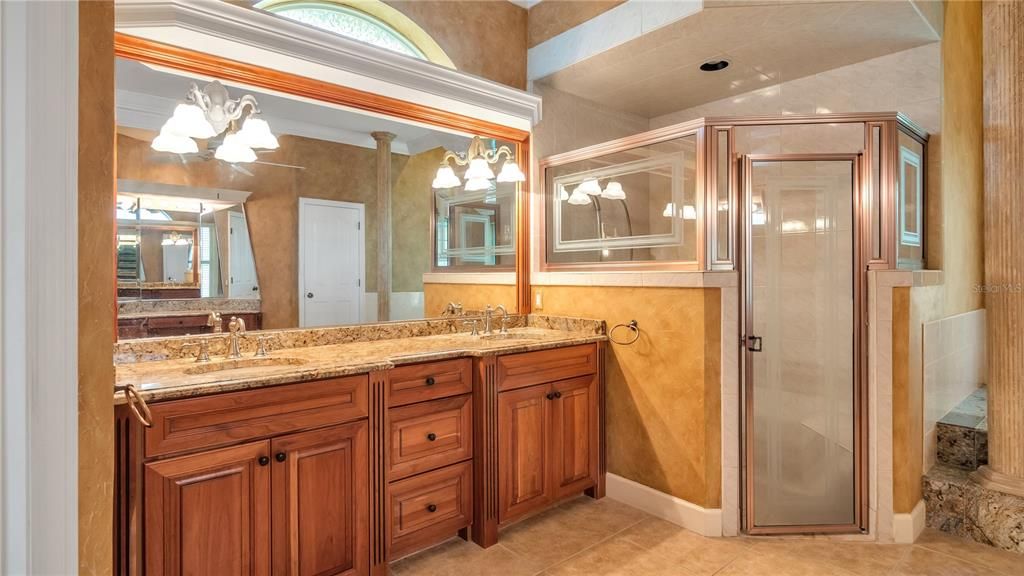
{"points": [[703, 521], [907, 527]]}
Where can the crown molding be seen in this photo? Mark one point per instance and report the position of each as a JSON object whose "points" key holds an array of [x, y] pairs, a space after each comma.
{"points": [[261, 38]]}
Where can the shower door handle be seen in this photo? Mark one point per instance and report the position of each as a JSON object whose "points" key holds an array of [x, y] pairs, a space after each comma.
{"points": [[754, 343]]}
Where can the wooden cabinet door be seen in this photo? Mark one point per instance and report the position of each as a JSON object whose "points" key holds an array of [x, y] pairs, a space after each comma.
{"points": [[524, 441], [321, 502], [574, 435], [209, 513]]}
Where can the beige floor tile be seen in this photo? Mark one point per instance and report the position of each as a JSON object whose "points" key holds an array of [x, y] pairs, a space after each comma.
{"points": [[1003, 561], [617, 557], [924, 562], [557, 534], [779, 564], [699, 555], [861, 558], [457, 557]]}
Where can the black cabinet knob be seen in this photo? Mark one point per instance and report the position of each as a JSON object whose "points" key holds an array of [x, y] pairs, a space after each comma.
{"points": [[550, 396], [280, 456], [309, 294], [429, 381], [431, 508], [558, 394], [431, 436], [264, 460]]}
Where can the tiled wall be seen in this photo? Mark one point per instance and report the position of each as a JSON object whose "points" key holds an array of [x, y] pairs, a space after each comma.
{"points": [[953, 354]]}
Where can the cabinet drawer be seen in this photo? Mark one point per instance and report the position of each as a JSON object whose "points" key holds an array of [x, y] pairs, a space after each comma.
{"points": [[430, 507], [176, 321], [430, 435], [429, 381], [529, 368], [223, 419]]}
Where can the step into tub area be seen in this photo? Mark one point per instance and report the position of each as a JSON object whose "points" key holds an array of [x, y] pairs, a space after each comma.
{"points": [[954, 502]]}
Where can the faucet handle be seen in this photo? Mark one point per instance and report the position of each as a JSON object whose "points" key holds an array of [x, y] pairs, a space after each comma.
{"points": [[261, 345], [204, 350], [504, 324], [236, 325], [472, 323]]}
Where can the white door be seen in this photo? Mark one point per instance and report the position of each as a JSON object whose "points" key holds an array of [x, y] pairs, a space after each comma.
{"points": [[241, 266], [330, 262]]}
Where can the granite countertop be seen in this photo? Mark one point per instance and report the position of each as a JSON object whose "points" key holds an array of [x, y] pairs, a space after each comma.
{"points": [[183, 378], [178, 313]]}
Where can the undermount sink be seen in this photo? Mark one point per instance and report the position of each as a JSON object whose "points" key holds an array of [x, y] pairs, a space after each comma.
{"points": [[511, 336], [242, 363]]}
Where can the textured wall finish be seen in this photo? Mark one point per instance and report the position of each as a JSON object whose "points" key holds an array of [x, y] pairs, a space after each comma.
{"points": [[664, 391], [485, 38], [550, 18], [906, 447], [1004, 243], [471, 296], [95, 287], [961, 242]]}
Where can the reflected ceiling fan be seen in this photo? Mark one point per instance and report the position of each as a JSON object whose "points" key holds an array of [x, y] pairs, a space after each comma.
{"points": [[206, 154], [211, 115]]}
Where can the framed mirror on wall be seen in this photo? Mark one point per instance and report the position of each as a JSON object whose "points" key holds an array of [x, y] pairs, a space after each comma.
{"points": [[257, 193]]}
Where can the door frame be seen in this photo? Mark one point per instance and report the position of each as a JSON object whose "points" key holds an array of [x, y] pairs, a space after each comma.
{"points": [[861, 204], [305, 203]]}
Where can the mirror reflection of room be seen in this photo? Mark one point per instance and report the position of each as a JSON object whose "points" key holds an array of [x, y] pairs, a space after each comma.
{"points": [[271, 208]]}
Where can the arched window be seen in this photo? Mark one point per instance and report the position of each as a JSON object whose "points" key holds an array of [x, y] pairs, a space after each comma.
{"points": [[368, 21]]}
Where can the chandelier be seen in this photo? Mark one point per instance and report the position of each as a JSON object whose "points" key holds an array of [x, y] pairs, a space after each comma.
{"points": [[479, 158], [209, 112]]}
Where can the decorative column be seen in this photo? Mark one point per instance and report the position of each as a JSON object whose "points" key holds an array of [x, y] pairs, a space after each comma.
{"points": [[383, 224], [1003, 23]]}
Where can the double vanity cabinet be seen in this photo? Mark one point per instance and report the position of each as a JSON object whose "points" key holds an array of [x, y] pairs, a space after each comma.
{"points": [[342, 475]]}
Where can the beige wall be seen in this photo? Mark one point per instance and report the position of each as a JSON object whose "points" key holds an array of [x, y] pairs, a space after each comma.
{"points": [[663, 392], [411, 204], [550, 18], [962, 238], [472, 296], [95, 287], [484, 38]]}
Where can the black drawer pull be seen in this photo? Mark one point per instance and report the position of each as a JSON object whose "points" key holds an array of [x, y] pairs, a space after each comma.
{"points": [[558, 394], [431, 436], [431, 508], [430, 381], [264, 460], [550, 396], [280, 456]]}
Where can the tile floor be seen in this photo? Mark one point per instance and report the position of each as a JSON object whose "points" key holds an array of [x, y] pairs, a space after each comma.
{"points": [[584, 537]]}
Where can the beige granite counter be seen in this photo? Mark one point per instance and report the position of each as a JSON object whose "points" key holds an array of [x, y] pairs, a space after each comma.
{"points": [[181, 377], [180, 313]]}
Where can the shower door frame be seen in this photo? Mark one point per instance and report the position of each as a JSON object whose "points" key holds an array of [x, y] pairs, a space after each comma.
{"points": [[861, 220]]}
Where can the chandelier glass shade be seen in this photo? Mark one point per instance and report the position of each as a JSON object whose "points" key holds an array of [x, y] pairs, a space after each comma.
{"points": [[209, 112], [613, 191], [590, 186], [479, 160], [579, 197]]}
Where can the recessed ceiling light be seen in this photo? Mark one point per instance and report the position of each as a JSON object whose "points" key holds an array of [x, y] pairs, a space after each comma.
{"points": [[714, 65]]}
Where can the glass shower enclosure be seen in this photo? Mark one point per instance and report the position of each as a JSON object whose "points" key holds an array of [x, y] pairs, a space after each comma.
{"points": [[801, 207]]}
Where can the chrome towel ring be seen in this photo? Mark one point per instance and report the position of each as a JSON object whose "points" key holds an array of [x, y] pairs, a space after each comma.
{"points": [[633, 326]]}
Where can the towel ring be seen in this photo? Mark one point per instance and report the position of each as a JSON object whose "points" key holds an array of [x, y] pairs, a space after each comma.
{"points": [[631, 326]]}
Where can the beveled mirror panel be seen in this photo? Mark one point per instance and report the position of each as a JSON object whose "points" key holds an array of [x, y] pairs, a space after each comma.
{"points": [[272, 206]]}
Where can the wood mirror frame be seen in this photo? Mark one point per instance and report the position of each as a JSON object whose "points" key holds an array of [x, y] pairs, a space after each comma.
{"points": [[157, 53]]}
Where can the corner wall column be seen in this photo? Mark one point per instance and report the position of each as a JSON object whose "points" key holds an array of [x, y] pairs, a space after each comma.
{"points": [[383, 224], [1003, 65]]}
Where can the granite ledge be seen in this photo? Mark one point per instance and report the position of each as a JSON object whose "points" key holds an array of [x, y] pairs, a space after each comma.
{"points": [[163, 380]]}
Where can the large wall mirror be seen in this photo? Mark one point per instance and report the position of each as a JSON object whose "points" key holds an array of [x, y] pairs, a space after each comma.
{"points": [[239, 200]]}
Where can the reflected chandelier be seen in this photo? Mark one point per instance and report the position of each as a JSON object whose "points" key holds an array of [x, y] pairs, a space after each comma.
{"points": [[209, 112], [479, 158]]}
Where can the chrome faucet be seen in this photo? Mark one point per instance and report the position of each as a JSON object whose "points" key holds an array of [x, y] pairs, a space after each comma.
{"points": [[237, 328], [213, 321], [204, 349], [452, 309], [488, 314], [504, 318]]}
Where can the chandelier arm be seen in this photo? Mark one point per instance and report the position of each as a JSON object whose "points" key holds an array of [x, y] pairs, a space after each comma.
{"points": [[246, 100], [459, 159], [503, 150], [197, 97]]}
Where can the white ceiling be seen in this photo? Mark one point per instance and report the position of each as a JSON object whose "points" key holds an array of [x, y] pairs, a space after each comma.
{"points": [[765, 42], [146, 98]]}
